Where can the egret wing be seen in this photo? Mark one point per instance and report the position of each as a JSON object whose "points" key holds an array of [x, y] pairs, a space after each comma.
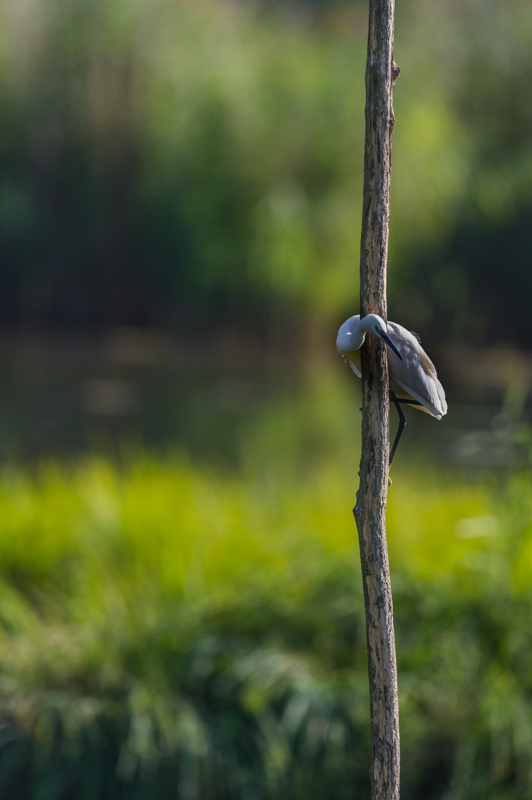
{"points": [[416, 374]]}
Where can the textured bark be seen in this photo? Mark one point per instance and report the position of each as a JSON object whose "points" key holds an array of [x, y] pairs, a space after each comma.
{"points": [[370, 510]]}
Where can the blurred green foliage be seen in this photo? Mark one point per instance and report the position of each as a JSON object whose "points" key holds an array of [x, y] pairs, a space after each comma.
{"points": [[164, 161], [168, 631]]}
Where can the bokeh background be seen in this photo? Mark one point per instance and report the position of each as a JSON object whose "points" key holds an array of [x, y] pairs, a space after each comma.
{"points": [[181, 613]]}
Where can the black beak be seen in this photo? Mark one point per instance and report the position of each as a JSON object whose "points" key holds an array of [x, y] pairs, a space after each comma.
{"points": [[386, 338]]}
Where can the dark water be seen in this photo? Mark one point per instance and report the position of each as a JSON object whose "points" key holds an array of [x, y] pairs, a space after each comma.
{"points": [[127, 391]]}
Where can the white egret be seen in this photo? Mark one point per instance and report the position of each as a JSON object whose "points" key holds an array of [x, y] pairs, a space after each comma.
{"points": [[413, 377]]}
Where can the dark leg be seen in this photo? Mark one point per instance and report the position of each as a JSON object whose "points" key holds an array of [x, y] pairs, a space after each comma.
{"points": [[402, 423]]}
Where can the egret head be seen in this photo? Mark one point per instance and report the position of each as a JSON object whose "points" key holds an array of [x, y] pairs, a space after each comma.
{"points": [[376, 325], [352, 333]]}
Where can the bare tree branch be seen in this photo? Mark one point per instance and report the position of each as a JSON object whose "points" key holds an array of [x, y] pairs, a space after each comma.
{"points": [[370, 510]]}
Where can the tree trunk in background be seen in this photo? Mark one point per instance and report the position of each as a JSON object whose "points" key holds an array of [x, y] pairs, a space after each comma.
{"points": [[370, 510]]}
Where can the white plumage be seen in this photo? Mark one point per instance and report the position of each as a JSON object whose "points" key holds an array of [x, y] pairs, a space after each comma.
{"points": [[412, 374]]}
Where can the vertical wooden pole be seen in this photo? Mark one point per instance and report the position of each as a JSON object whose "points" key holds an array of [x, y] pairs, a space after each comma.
{"points": [[370, 510]]}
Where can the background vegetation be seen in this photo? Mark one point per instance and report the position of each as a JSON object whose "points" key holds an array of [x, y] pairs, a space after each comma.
{"points": [[188, 622], [173, 633], [167, 162]]}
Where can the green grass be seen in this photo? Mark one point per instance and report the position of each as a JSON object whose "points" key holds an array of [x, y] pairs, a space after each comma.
{"points": [[168, 631]]}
